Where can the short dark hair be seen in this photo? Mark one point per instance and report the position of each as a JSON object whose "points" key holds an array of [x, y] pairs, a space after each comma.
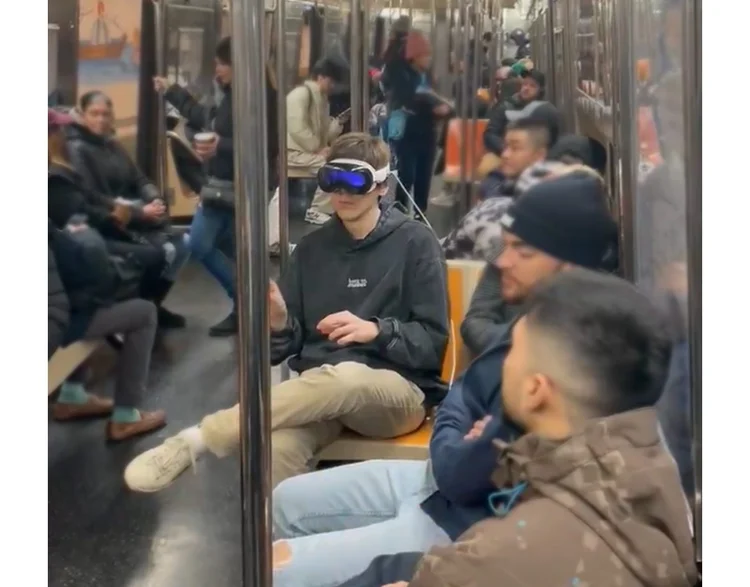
{"points": [[538, 131], [90, 97], [613, 342], [487, 36], [224, 51], [331, 66]]}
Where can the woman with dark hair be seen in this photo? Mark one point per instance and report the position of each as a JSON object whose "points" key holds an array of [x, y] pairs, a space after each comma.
{"points": [[105, 168], [412, 111], [82, 306], [213, 222]]}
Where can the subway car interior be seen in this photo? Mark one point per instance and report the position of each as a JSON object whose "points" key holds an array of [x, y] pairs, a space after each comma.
{"points": [[623, 75]]}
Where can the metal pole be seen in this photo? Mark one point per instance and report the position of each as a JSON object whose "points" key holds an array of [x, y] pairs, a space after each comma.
{"points": [[355, 65], [283, 169], [365, 45], [161, 109], [692, 84], [254, 376]]}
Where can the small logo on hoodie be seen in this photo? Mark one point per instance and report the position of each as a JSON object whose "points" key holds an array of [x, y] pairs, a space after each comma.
{"points": [[354, 283]]}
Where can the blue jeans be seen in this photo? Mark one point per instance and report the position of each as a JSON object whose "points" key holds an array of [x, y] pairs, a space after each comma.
{"points": [[210, 225], [177, 253], [336, 521]]}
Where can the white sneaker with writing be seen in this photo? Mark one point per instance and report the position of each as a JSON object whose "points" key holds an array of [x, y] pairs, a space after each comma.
{"points": [[157, 468]]}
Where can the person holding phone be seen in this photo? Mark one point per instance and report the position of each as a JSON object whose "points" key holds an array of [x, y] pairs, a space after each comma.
{"points": [[310, 129]]}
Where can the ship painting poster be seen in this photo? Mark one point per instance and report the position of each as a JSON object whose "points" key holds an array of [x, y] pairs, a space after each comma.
{"points": [[109, 56]]}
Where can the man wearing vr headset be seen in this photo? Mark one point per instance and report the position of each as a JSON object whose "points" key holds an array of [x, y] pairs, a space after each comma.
{"points": [[361, 313], [331, 524]]}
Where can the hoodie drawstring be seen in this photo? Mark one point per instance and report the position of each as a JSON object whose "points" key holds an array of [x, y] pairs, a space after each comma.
{"points": [[502, 501]]}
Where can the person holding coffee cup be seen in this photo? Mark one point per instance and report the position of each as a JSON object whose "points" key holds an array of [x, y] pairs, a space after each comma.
{"points": [[213, 221]]}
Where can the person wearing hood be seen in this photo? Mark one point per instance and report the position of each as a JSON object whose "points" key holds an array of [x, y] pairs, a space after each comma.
{"points": [[108, 170], [213, 221], [354, 513], [590, 488], [362, 315]]}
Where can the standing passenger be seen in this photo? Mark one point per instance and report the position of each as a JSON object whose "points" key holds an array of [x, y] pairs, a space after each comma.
{"points": [[361, 313], [213, 221], [412, 110]]}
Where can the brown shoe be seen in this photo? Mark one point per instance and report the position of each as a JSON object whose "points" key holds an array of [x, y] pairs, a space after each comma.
{"points": [[150, 421], [95, 407]]}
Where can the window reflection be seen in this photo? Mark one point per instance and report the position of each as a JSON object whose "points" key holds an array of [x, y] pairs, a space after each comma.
{"points": [[661, 237]]}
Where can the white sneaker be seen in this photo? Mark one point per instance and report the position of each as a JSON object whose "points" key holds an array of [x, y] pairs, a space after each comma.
{"points": [[316, 216], [157, 468]]}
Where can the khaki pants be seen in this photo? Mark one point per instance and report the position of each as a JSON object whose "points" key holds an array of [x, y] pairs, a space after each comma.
{"points": [[309, 412], [322, 202]]}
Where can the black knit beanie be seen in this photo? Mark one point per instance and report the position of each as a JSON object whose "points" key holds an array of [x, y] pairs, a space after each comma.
{"points": [[568, 219]]}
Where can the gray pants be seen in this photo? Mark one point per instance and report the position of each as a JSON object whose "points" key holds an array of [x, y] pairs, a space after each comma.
{"points": [[136, 321]]}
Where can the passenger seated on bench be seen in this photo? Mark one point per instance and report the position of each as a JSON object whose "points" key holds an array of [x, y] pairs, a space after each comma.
{"points": [[488, 313], [527, 141], [362, 315], [107, 169], [94, 316], [590, 494], [332, 523], [68, 196], [310, 130]]}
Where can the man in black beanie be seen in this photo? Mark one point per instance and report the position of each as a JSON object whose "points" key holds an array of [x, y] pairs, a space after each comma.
{"points": [[558, 223]]}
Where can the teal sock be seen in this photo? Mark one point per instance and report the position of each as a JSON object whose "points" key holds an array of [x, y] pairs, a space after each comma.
{"points": [[125, 415], [73, 393]]}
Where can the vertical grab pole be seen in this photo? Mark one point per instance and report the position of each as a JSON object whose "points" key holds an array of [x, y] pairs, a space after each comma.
{"points": [[161, 110], [355, 64], [254, 376], [281, 73], [365, 46]]}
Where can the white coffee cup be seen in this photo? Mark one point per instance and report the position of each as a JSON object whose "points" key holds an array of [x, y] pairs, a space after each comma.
{"points": [[205, 138]]}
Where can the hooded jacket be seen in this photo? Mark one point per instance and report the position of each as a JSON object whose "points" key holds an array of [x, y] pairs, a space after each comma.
{"points": [[603, 507], [396, 276]]}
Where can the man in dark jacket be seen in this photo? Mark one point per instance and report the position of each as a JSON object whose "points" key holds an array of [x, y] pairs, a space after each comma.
{"points": [[213, 221], [362, 315], [333, 523]]}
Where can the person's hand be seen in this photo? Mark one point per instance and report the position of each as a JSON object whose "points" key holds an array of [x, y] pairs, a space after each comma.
{"points": [[122, 213], [161, 84], [399, 584], [206, 150], [441, 110], [76, 227], [478, 429], [325, 152], [277, 312], [154, 210], [345, 328]]}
